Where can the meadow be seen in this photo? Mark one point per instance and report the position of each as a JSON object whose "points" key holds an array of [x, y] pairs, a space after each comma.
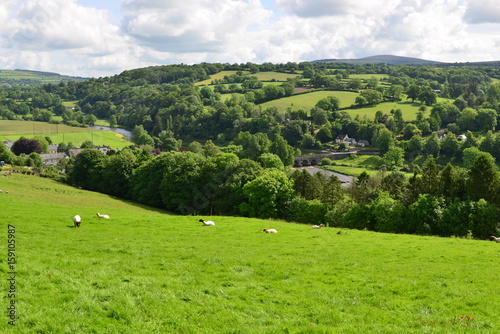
{"points": [[60, 133], [147, 271], [308, 100]]}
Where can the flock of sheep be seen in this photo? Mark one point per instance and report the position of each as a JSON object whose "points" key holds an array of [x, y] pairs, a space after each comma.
{"points": [[77, 220], [267, 230]]}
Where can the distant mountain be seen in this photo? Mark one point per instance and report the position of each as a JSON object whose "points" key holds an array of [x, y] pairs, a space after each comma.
{"points": [[381, 59]]}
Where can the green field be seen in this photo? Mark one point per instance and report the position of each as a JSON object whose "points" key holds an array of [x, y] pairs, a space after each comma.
{"points": [[262, 76], [25, 77], [144, 271], [60, 133], [309, 100]]}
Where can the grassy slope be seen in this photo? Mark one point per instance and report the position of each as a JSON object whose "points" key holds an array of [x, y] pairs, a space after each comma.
{"points": [[12, 130], [144, 271]]}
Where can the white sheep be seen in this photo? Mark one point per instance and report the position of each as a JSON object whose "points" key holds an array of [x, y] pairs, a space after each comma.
{"points": [[270, 230], [493, 238], [318, 226], [77, 220], [207, 223], [102, 216]]}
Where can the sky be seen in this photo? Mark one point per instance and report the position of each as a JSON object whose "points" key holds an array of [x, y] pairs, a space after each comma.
{"points": [[96, 38]]}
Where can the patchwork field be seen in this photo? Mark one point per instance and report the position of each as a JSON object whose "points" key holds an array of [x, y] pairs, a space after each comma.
{"points": [[145, 271]]}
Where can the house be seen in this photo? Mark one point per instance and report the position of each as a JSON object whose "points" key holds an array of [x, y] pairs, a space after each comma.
{"points": [[50, 159], [363, 143], [341, 138]]}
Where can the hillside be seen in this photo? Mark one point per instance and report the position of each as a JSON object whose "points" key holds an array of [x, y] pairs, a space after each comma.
{"points": [[12, 78], [381, 59], [144, 271]]}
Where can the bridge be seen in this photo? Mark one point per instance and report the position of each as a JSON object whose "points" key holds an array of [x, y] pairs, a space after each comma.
{"points": [[315, 159]]}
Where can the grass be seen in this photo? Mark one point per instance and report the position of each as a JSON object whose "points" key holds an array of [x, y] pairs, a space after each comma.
{"points": [[309, 100], [60, 133], [23, 77], [262, 76], [145, 271]]}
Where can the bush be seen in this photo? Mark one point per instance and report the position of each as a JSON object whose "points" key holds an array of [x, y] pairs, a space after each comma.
{"points": [[307, 211]]}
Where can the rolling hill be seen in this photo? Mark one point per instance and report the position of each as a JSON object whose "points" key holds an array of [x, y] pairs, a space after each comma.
{"points": [[33, 78]]}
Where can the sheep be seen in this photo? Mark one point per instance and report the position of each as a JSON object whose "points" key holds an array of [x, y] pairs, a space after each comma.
{"points": [[207, 223], [77, 220], [102, 216], [318, 226], [493, 238], [270, 230]]}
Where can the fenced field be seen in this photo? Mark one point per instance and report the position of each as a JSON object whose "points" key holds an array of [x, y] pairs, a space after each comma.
{"points": [[60, 133]]}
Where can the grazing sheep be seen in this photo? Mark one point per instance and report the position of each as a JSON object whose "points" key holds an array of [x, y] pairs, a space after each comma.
{"points": [[270, 230], [318, 226], [493, 238], [207, 223], [102, 216], [77, 220]]}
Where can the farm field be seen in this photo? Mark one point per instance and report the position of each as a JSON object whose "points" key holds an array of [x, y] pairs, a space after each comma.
{"points": [[219, 75], [34, 77], [145, 271], [60, 133], [262, 76], [309, 100]]}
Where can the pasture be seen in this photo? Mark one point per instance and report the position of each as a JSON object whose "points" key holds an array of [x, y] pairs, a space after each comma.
{"points": [[309, 100], [145, 271], [60, 133]]}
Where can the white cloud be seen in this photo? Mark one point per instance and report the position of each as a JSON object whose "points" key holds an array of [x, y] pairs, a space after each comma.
{"points": [[191, 25], [65, 37], [482, 11]]}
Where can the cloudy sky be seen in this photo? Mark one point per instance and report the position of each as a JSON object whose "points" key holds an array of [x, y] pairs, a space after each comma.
{"points": [[104, 37]]}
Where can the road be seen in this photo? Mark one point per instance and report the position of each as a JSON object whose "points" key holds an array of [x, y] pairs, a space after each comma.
{"points": [[345, 179]]}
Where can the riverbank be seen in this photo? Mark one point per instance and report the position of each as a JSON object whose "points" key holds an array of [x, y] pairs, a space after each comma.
{"points": [[346, 180]]}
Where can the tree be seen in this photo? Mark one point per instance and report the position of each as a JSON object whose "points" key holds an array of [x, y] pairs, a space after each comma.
{"points": [[267, 195], [26, 146], [427, 95], [450, 145], [87, 144], [432, 145], [284, 151], [410, 130], [137, 132], [271, 160], [394, 158], [483, 179], [87, 170], [486, 119], [5, 154], [413, 92], [423, 216], [467, 119], [332, 192], [330, 103], [372, 96], [384, 140], [387, 214]]}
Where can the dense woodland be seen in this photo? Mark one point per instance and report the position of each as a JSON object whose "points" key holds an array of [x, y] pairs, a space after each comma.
{"points": [[231, 156]]}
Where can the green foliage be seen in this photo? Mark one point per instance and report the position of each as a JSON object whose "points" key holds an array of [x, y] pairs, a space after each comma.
{"points": [[268, 195], [305, 211]]}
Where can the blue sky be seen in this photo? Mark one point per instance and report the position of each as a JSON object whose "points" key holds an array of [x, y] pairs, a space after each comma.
{"points": [[105, 37]]}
